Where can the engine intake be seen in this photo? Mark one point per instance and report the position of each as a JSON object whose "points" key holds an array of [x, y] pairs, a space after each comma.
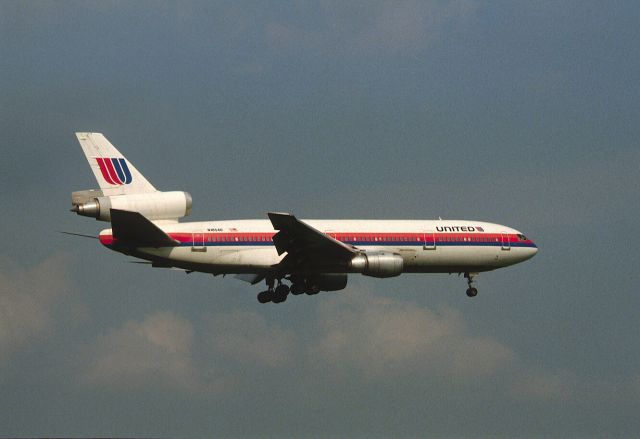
{"points": [[154, 205], [378, 264]]}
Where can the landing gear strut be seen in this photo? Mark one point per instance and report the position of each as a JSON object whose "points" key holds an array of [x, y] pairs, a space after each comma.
{"points": [[267, 296], [471, 291]]}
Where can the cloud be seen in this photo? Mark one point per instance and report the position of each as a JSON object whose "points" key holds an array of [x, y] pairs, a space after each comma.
{"points": [[28, 298], [381, 337], [542, 385], [357, 338], [154, 352], [165, 351], [245, 337], [408, 25], [566, 386], [354, 334]]}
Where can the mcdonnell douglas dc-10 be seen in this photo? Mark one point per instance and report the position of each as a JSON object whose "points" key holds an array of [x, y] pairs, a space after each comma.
{"points": [[311, 255]]}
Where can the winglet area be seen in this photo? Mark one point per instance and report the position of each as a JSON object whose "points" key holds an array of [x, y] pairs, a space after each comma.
{"points": [[134, 229]]}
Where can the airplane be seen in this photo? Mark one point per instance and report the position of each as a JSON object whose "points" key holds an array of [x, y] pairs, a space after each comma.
{"points": [[312, 255]]}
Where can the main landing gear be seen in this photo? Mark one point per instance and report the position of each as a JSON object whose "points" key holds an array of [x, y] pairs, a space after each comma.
{"points": [[276, 295], [471, 291], [279, 294]]}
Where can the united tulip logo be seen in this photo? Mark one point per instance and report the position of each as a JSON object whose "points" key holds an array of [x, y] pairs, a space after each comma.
{"points": [[114, 171]]}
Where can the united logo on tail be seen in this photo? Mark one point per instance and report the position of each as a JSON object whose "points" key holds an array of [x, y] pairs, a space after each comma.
{"points": [[114, 171]]}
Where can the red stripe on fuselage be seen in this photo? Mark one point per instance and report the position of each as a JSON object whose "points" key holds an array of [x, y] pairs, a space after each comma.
{"points": [[355, 237], [369, 238]]}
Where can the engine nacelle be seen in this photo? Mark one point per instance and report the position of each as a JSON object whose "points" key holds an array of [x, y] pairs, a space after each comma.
{"points": [[153, 205], [328, 282], [378, 264]]}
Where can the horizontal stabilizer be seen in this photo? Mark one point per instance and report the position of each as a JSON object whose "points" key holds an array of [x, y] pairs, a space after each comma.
{"points": [[134, 229]]}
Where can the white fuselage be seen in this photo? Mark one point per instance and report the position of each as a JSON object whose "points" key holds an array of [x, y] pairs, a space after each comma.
{"points": [[426, 246]]}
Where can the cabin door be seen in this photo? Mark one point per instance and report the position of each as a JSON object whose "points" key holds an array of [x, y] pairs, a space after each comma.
{"points": [[506, 244], [198, 242], [429, 240]]}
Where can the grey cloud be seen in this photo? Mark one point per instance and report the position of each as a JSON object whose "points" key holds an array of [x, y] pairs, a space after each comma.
{"points": [[154, 352], [382, 337], [543, 386], [165, 350], [565, 386], [370, 26], [410, 24], [246, 337], [28, 298], [357, 333]]}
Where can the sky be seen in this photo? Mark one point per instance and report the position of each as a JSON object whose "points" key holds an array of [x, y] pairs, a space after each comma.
{"points": [[516, 112]]}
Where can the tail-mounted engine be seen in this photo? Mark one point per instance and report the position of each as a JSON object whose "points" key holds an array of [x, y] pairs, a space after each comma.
{"points": [[377, 264], [153, 205]]}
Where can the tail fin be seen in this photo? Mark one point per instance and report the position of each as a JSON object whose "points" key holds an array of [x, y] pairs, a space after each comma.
{"points": [[115, 174]]}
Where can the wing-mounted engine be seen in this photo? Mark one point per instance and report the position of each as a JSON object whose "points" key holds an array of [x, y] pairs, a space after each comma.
{"points": [[377, 264], [154, 205], [327, 282]]}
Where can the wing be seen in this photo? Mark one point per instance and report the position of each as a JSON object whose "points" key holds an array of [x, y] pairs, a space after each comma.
{"points": [[306, 247]]}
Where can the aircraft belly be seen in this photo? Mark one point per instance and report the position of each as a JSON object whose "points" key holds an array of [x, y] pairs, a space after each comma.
{"points": [[442, 259], [242, 258]]}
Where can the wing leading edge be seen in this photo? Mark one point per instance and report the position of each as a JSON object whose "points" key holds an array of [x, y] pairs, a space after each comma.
{"points": [[306, 246]]}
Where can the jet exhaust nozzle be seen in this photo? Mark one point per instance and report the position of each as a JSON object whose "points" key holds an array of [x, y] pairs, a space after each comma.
{"points": [[91, 209]]}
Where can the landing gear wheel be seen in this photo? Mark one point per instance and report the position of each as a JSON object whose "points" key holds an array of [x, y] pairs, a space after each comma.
{"points": [[264, 296], [471, 291], [313, 289], [269, 294], [297, 289], [280, 293]]}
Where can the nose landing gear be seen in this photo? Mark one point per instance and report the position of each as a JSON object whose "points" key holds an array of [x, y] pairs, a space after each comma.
{"points": [[471, 291]]}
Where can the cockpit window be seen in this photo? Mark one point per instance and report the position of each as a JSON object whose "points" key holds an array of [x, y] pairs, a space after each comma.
{"points": [[522, 237]]}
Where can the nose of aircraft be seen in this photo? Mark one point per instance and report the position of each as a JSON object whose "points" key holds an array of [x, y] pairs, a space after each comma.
{"points": [[531, 251]]}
